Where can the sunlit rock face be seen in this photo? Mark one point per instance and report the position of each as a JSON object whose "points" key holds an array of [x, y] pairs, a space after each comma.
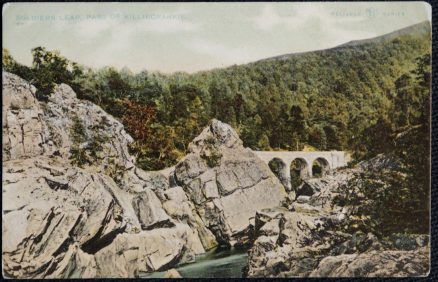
{"points": [[227, 183], [22, 119], [72, 195]]}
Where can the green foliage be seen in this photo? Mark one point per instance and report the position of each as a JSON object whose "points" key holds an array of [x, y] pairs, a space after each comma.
{"points": [[10, 65], [297, 167], [114, 170], [85, 148], [317, 169], [396, 201], [77, 153], [50, 68], [376, 139], [390, 202], [385, 203], [318, 137], [276, 166], [7, 60], [211, 153], [345, 98]]}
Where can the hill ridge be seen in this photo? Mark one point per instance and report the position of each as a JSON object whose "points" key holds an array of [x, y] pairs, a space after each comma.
{"points": [[424, 25]]}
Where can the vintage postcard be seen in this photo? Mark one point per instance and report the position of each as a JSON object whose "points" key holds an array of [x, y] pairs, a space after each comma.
{"points": [[216, 140]]}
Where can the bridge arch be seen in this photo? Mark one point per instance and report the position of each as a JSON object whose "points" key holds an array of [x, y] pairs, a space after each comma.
{"points": [[320, 167], [324, 160]]}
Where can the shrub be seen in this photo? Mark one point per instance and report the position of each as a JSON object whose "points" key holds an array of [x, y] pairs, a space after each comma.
{"points": [[211, 153]]}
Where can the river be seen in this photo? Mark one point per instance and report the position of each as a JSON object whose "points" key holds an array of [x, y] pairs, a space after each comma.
{"points": [[218, 263]]}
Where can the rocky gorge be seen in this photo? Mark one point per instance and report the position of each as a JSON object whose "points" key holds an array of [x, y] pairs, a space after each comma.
{"points": [[76, 206]]}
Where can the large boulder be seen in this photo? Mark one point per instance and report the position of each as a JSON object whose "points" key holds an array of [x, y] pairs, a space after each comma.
{"points": [[65, 127], [226, 182], [156, 250]]}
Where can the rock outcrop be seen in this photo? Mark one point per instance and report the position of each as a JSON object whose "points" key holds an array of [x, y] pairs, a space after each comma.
{"points": [[387, 263], [227, 183], [21, 119], [73, 199], [308, 238], [131, 254]]}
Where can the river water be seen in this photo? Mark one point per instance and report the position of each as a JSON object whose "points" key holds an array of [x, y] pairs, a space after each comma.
{"points": [[218, 263]]}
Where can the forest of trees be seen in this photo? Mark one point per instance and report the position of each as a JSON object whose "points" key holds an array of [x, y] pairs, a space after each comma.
{"points": [[355, 98]]}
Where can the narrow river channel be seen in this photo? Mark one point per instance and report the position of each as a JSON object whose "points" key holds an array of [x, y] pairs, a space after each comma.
{"points": [[218, 263]]}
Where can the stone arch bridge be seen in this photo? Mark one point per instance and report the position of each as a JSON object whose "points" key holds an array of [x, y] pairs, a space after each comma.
{"points": [[303, 161]]}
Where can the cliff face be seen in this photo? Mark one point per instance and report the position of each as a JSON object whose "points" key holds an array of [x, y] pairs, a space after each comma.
{"points": [[75, 205]]}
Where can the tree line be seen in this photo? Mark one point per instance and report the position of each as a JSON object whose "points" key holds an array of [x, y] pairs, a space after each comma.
{"points": [[354, 98]]}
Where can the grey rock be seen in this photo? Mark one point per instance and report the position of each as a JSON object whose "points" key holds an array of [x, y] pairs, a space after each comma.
{"points": [[172, 273], [69, 120], [239, 207], [155, 250], [380, 162], [304, 240], [218, 132], [149, 211], [176, 194], [211, 190], [375, 264], [40, 223], [191, 167], [408, 242], [22, 119], [65, 221], [303, 199], [228, 190], [178, 206]]}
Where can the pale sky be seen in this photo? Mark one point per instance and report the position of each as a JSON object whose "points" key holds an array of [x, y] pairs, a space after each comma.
{"points": [[189, 37]]}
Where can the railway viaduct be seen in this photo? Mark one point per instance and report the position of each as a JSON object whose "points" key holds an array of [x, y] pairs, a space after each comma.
{"points": [[303, 161]]}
